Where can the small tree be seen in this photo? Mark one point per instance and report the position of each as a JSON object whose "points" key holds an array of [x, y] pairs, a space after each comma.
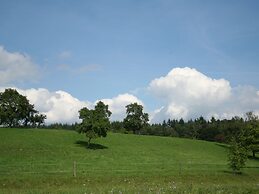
{"points": [[240, 144], [135, 119], [95, 123], [237, 156], [253, 128]]}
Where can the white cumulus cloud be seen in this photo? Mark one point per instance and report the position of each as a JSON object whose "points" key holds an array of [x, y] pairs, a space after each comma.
{"points": [[58, 106], [118, 103], [184, 84], [62, 107], [187, 93], [16, 67], [183, 93]]}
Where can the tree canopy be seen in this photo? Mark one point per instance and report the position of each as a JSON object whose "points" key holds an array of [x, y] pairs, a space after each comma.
{"points": [[237, 155], [16, 111], [136, 119], [95, 123]]}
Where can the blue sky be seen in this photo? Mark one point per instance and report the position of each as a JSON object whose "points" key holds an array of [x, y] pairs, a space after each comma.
{"points": [[100, 49]]}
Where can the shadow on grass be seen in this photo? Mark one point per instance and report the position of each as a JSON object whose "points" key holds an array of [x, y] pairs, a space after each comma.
{"points": [[237, 173], [250, 157], [93, 146], [222, 145], [253, 158], [251, 167]]}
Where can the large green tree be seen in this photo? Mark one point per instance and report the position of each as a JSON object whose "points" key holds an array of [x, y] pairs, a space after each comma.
{"points": [[95, 123], [16, 111], [135, 119]]}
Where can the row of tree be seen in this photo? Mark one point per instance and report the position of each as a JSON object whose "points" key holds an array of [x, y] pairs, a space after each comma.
{"points": [[95, 123], [16, 111]]}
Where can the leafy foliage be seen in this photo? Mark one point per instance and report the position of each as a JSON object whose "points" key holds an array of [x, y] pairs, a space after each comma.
{"points": [[95, 123], [135, 119], [16, 111], [253, 128], [237, 156], [242, 140]]}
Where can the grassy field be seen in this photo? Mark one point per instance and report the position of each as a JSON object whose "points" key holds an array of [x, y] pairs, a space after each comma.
{"points": [[41, 161]]}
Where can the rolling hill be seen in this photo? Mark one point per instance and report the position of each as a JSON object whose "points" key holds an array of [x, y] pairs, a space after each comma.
{"points": [[41, 160]]}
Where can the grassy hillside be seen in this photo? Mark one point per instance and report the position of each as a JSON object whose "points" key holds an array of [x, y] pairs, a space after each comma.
{"points": [[35, 160]]}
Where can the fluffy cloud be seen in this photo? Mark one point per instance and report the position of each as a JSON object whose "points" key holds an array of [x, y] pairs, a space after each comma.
{"points": [[188, 93], [118, 103], [60, 106], [16, 67], [184, 93], [185, 84]]}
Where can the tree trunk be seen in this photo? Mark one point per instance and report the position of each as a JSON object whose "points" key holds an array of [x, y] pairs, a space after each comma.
{"points": [[88, 143], [253, 154]]}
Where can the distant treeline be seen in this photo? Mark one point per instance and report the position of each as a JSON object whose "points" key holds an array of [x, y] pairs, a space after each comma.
{"points": [[60, 126], [212, 130]]}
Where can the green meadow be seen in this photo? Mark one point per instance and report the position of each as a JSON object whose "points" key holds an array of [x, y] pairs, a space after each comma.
{"points": [[58, 161]]}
